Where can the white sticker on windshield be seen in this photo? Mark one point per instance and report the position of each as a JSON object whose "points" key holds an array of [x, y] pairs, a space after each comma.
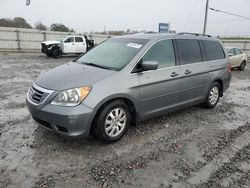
{"points": [[134, 45]]}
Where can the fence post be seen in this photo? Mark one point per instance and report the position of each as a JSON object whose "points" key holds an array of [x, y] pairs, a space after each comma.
{"points": [[245, 45], [44, 36], [18, 40]]}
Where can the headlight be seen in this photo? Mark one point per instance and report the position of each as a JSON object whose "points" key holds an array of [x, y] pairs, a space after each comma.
{"points": [[71, 97]]}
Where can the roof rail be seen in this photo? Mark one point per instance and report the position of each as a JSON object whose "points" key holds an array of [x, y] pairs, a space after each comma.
{"points": [[196, 34]]}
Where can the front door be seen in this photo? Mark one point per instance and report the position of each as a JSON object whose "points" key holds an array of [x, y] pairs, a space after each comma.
{"points": [[159, 89]]}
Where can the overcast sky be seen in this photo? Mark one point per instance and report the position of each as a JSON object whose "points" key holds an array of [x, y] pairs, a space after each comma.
{"points": [[93, 15]]}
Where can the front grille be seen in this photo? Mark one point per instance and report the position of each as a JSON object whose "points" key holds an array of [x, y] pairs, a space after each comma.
{"points": [[37, 96]]}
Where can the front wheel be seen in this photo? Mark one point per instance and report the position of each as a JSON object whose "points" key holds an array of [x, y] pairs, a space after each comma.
{"points": [[111, 122], [57, 53], [242, 66], [213, 95]]}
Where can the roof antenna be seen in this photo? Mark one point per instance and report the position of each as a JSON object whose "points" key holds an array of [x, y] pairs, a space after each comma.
{"points": [[27, 2]]}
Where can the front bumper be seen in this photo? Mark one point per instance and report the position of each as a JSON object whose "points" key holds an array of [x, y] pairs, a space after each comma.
{"points": [[44, 48], [67, 121]]}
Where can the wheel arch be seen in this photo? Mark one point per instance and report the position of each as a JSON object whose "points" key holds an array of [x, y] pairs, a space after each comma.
{"points": [[221, 85], [128, 101], [56, 46]]}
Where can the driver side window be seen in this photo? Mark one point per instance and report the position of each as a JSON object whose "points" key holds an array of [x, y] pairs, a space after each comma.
{"points": [[162, 52], [70, 39]]}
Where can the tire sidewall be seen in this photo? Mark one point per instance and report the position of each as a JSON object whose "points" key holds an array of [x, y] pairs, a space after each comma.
{"points": [[100, 122]]}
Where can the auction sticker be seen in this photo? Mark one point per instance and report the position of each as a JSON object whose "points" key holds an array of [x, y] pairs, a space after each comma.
{"points": [[134, 45]]}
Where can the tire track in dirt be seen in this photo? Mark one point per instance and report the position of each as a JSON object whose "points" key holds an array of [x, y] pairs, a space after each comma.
{"points": [[228, 151]]}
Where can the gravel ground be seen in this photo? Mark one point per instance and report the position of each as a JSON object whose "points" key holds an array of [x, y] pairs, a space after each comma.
{"points": [[194, 147]]}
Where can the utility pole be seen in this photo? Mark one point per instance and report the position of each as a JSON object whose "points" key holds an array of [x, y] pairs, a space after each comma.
{"points": [[205, 21], [27, 2]]}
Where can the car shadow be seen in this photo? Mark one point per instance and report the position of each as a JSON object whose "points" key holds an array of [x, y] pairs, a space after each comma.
{"points": [[143, 129]]}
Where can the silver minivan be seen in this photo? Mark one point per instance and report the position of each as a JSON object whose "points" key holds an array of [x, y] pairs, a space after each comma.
{"points": [[127, 79]]}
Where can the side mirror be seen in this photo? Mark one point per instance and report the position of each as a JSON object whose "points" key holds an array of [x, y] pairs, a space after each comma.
{"points": [[230, 55], [149, 65]]}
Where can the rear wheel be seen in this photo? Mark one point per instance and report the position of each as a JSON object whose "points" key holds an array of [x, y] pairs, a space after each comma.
{"points": [[242, 66], [111, 122], [213, 95], [57, 53]]}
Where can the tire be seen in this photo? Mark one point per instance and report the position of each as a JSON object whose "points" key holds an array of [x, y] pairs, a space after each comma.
{"points": [[213, 95], [112, 122], [49, 54], [242, 66], [57, 53]]}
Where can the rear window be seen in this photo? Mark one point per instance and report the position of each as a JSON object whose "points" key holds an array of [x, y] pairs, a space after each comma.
{"points": [[213, 49], [189, 51]]}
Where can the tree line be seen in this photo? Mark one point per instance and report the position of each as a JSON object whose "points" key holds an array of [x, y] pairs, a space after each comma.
{"points": [[20, 22]]}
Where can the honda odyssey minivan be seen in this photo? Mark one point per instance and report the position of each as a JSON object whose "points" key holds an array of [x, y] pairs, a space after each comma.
{"points": [[127, 79]]}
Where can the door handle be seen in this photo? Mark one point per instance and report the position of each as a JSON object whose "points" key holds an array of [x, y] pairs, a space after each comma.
{"points": [[174, 74], [187, 72]]}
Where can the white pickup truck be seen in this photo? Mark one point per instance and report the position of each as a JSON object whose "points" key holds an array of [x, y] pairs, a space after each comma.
{"points": [[68, 45]]}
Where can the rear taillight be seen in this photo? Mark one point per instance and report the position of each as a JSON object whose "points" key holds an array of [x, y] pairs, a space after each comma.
{"points": [[229, 67]]}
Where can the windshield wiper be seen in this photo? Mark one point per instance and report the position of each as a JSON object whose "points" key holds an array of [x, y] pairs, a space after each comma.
{"points": [[99, 66]]}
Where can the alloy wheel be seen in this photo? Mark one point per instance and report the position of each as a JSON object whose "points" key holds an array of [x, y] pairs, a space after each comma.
{"points": [[115, 122]]}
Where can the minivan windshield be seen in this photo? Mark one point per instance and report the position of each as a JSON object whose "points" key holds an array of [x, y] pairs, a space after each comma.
{"points": [[113, 54]]}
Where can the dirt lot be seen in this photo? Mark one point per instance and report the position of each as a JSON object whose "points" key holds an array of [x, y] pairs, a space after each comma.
{"points": [[194, 147]]}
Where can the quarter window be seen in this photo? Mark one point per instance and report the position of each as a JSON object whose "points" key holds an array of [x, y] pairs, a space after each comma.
{"points": [[162, 52], [189, 51], [213, 49]]}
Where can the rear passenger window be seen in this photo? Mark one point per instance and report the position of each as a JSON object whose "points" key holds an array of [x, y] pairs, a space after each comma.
{"points": [[162, 52], [213, 49], [189, 51], [79, 39]]}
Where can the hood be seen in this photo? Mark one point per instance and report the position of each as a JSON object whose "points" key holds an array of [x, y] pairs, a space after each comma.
{"points": [[72, 75], [50, 42]]}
